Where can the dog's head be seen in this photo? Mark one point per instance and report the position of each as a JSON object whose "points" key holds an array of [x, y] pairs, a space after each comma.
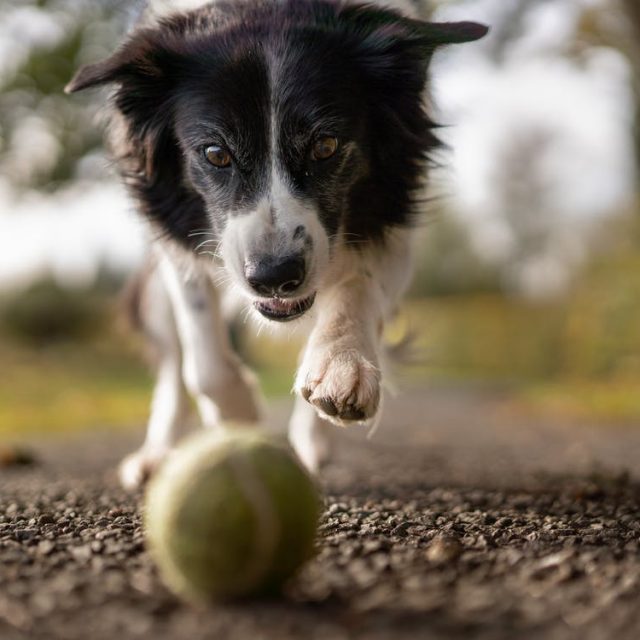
{"points": [[280, 131]]}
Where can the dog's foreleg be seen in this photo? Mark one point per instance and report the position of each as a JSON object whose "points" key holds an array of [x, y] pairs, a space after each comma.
{"points": [[340, 371], [170, 406], [307, 436], [224, 390]]}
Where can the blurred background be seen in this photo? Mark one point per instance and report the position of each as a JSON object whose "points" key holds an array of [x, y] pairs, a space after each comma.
{"points": [[529, 267]]}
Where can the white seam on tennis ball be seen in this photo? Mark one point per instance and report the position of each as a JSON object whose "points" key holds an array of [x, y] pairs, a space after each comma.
{"points": [[267, 530]]}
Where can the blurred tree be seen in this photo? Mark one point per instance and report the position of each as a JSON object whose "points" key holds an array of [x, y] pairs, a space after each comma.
{"points": [[633, 11], [544, 246], [446, 263], [616, 25], [611, 23], [47, 313], [46, 138]]}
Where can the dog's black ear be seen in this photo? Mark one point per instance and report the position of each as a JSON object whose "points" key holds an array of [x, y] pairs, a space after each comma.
{"points": [[435, 34], [386, 25], [141, 60], [145, 70], [93, 75]]}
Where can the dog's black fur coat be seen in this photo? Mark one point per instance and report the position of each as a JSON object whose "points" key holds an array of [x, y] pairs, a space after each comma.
{"points": [[356, 72], [289, 138]]}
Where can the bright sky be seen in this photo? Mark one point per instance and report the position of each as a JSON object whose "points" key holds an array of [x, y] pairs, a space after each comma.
{"points": [[69, 234]]}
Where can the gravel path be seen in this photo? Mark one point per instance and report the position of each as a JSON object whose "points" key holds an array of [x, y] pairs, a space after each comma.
{"points": [[460, 519]]}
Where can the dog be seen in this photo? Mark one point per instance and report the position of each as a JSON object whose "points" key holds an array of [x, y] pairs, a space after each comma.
{"points": [[278, 149]]}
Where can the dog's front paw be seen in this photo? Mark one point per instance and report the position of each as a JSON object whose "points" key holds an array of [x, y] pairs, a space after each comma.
{"points": [[138, 467], [342, 385]]}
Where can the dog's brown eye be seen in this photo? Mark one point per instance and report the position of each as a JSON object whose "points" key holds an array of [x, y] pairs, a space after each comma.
{"points": [[217, 156], [324, 148]]}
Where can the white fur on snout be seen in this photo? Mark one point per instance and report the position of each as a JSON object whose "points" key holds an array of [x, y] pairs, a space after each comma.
{"points": [[238, 237], [268, 230]]}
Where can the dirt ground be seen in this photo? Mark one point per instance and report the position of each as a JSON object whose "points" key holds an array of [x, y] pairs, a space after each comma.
{"points": [[461, 518]]}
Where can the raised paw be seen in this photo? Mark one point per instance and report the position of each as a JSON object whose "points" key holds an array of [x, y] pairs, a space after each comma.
{"points": [[343, 385], [136, 469]]}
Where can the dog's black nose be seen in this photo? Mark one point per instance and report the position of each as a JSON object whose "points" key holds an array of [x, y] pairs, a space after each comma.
{"points": [[275, 277]]}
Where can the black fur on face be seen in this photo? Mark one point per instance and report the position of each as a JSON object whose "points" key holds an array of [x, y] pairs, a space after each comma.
{"points": [[264, 82]]}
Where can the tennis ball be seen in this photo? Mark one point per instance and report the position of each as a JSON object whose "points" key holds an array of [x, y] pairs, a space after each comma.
{"points": [[230, 515]]}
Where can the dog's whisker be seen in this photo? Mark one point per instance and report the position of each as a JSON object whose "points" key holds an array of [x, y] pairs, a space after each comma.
{"points": [[206, 242], [358, 239], [246, 314], [221, 281]]}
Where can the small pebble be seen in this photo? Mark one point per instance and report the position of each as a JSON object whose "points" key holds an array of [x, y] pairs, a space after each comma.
{"points": [[444, 549]]}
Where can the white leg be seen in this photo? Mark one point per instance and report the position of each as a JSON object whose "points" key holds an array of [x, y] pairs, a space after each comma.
{"points": [[307, 436], [340, 371], [340, 374], [223, 389], [169, 406]]}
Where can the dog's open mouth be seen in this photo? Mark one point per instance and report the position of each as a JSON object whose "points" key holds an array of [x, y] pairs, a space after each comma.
{"points": [[283, 309]]}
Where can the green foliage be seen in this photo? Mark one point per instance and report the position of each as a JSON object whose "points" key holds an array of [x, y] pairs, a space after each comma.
{"points": [[593, 333], [47, 313], [603, 327], [71, 386], [489, 336]]}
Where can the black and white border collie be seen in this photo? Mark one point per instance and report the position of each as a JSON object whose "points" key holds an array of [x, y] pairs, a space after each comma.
{"points": [[277, 148]]}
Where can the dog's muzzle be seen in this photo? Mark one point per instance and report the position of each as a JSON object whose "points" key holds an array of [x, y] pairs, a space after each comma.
{"points": [[276, 281]]}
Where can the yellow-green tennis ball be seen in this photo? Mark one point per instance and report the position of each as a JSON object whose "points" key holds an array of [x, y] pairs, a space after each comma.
{"points": [[230, 516]]}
